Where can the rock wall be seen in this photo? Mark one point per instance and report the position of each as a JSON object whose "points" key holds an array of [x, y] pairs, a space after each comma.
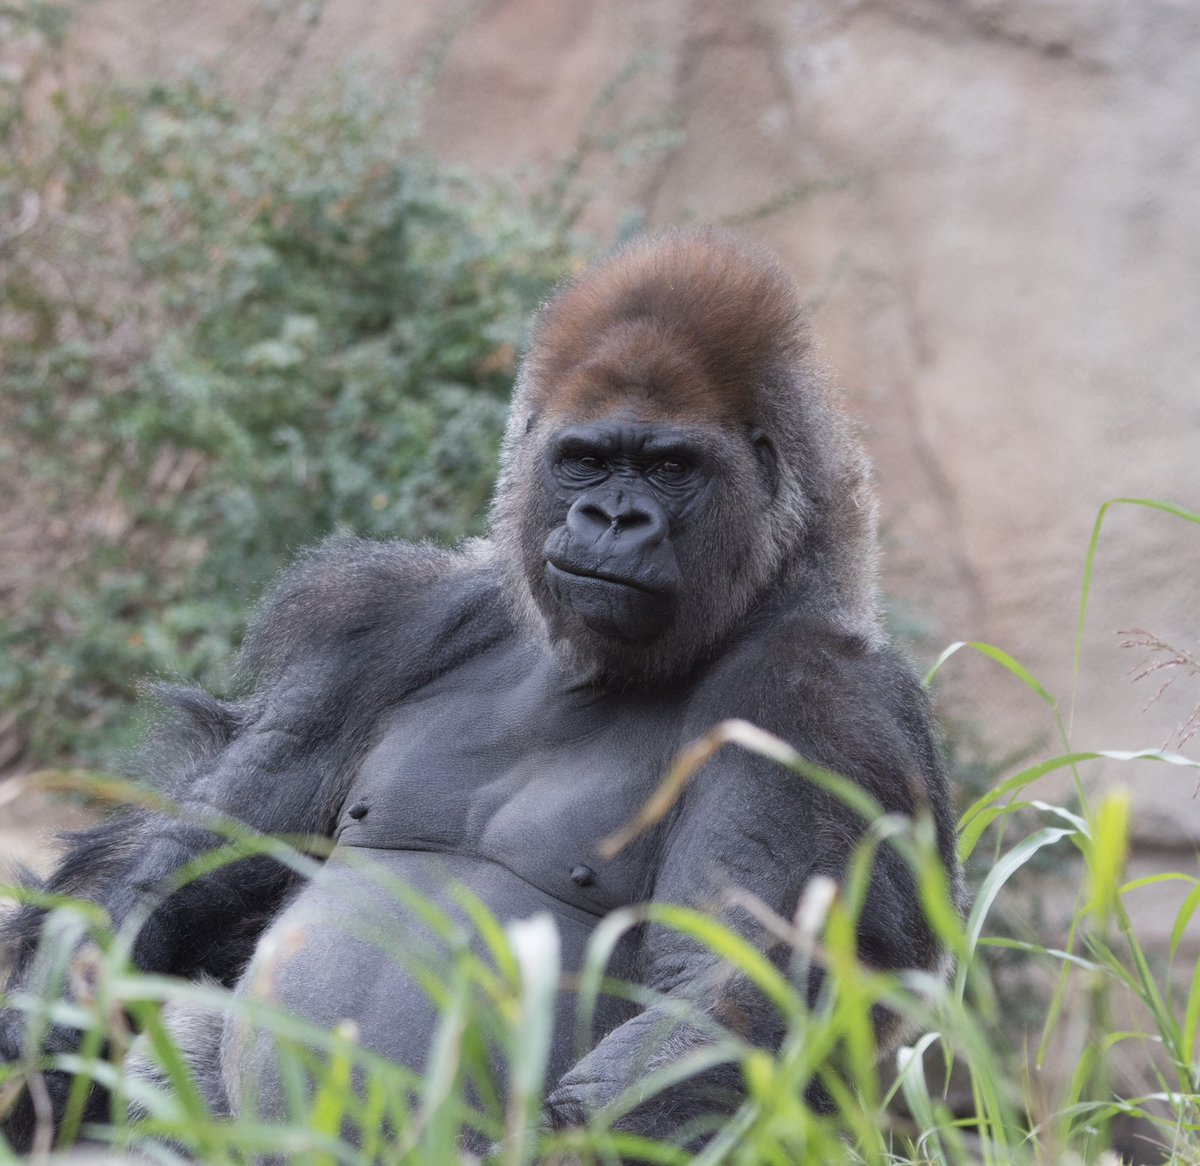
{"points": [[995, 205]]}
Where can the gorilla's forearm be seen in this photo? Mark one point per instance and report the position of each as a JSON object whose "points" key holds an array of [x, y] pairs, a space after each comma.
{"points": [[627, 1055], [614, 1072], [208, 925], [133, 863]]}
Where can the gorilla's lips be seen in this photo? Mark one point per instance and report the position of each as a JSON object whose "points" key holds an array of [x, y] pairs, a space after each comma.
{"points": [[569, 569], [608, 604]]}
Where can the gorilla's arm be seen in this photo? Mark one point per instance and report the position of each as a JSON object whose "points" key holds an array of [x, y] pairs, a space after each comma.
{"points": [[239, 762], [339, 637], [745, 823], [253, 768], [265, 762], [347, 631]]}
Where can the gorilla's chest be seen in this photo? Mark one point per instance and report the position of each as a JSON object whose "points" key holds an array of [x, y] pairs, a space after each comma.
{"points": [[500, 760]]}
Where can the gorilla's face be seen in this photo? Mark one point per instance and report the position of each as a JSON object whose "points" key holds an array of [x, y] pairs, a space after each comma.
{"points": [[627, 494], [641, 541]]}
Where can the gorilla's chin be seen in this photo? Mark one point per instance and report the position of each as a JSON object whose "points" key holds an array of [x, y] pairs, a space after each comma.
{"points": [[613, 608]]}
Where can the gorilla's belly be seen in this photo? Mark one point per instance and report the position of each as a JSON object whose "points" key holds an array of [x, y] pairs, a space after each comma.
{"points": [[357, 944]]}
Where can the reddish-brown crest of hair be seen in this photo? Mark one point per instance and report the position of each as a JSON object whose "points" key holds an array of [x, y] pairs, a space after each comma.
{"points": [[688, 325]]}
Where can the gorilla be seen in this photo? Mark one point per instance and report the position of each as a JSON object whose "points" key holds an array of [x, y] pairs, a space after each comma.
{"points": [[682, 533]]}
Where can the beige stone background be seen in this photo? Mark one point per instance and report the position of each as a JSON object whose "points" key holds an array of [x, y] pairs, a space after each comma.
{"points": [[995, 208]]}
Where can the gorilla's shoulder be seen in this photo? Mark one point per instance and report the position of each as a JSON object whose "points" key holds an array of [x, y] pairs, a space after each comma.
{"points": [[851, 703], [364, 596], [797, 666]]}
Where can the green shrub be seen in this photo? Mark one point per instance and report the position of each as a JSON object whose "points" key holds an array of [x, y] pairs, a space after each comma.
{"points": [[237, 325]]}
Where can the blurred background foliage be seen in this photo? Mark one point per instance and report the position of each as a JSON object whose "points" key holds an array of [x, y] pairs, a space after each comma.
{"points": [[230, 326]]}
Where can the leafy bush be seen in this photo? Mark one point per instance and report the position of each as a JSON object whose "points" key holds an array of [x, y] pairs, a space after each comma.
{"points": [[233, 326]]}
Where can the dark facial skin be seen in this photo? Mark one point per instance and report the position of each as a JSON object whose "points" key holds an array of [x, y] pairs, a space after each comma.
{"points": [[626, 490]]}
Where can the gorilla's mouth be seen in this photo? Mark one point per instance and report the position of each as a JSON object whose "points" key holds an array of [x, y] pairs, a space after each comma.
{"points": [[567, 572], [613, 606]]}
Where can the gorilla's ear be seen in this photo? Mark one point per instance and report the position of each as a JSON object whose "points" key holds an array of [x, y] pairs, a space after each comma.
{"points": [[767, 460]]}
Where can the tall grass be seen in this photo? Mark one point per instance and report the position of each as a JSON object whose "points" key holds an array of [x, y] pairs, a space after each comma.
{"points": [[958, 1094]]}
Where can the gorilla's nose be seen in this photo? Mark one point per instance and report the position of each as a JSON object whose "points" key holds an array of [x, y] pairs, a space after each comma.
{"points": [[619, 514]]}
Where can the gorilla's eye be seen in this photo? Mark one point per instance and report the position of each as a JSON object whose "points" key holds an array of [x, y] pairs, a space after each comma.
{"points": [[582, 466], [672, 469]]}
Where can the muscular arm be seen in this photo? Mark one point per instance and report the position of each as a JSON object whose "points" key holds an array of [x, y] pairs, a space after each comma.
{"points": [[341, 635], [228, 762], [251, 762], [745, 823], [327, 653]]}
